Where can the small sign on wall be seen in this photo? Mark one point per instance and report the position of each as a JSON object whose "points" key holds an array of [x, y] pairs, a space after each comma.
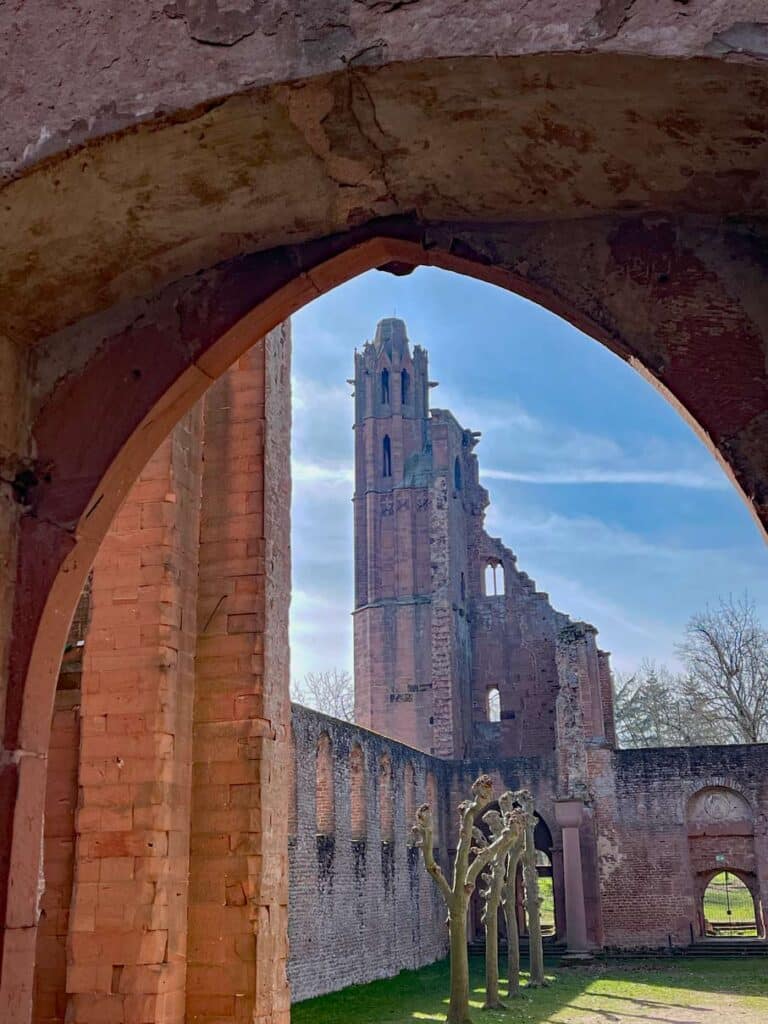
{"points": [[720, 858]]}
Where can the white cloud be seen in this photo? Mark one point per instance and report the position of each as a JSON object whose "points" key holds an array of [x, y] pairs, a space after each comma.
{"points": [[330, 473], [594, 475]]}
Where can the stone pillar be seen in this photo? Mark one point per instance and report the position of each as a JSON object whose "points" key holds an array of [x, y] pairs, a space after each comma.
{"points": [[128, 921], [238, 915], [568, 814], [22, 766]]}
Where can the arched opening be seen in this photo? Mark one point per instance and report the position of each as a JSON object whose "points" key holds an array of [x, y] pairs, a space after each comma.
{"points": [[410, 798], [457, 474], [434, 803], [496, 585], [385, 387], [493, 579], [405, 386], [546, 891], [89, 485], [728, 908], [325, 806], [386, 456], [357, 801], [493, 704], [386, 803]]}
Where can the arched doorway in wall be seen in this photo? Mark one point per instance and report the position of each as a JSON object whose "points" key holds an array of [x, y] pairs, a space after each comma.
{"points": [[128, 384], [545, 847], [723, 858], [729, 908], [550, 911]]}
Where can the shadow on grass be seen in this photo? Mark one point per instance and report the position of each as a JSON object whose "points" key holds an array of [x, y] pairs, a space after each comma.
{"points": [[643, 991]]}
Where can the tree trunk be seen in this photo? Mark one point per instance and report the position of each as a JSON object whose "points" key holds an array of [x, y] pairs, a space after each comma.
{"points": [[458, 1008], [532, 906], [513, 938], [492, 998]]}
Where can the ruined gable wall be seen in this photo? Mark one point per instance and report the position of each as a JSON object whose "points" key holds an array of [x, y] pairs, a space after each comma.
{"points": [[360, 908], [646, 869], [513, 648]]}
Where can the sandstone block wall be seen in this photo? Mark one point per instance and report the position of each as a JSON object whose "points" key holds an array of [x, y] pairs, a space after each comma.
{"points": [[362, 906], [165, 854], [653, 858]]}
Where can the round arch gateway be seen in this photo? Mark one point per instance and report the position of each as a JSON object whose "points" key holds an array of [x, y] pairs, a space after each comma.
{"points": [[728, 907], [162, 220]]}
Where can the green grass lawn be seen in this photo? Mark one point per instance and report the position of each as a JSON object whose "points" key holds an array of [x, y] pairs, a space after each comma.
{"points": [[634, 992]]}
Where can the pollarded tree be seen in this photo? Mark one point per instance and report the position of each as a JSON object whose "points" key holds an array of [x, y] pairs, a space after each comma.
{"points": [[514, 820], [509, 905], [469, 862], [532, 898]]}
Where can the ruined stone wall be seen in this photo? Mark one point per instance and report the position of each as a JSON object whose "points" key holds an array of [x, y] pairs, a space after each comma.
{"points": [[362, 906], [165, 854], [653, 856]]}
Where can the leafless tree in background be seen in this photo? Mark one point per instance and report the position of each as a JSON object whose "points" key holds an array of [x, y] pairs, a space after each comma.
{"points": [[726, 657], [331, 692], [721, 696]]}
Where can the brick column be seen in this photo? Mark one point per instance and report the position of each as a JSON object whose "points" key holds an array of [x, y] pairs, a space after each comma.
{"points": [[22, 771], [127, 939], [61, 793], [238, 917], [568, 814]]}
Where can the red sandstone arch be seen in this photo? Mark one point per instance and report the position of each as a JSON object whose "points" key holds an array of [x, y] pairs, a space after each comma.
{"points": [[50, 585], [656, 251]]}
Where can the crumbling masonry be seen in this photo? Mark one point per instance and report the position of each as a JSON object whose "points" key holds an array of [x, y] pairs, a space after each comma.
{"points": [[156, 896]]}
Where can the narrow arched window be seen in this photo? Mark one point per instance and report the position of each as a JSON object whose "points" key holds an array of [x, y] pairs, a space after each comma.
{"points": [[494, 579], [385, 387], [357, 793], [493, 704], [463, 589], [386, 807], [405, 384], [293, 803], [434, 805], [410, 797], [387, 457], [324, 804], [457, 474]]}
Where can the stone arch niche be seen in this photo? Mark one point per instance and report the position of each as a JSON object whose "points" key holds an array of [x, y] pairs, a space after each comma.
{"points": [[721, 837], [141, 266]]}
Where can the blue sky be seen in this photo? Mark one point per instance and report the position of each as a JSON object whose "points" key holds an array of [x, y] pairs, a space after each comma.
{"points": [[607, 497]]}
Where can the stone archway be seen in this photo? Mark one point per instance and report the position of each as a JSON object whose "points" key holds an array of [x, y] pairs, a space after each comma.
{"points": [[145, 261], [721, 839], [728, 905]]}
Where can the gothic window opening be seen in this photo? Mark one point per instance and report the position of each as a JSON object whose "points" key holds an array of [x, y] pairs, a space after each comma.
{"points": [[494, 579], [357, 793], [463, 589], [385, 387], [434, 805], [387, 457], [457, 474], [405, 382], [386, 807], [293, 802], [324, 803], [493, 704], [410, 797]]}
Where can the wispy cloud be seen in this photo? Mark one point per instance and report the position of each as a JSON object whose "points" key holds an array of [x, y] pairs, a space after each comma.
{"points": [[595, 475], [332, 473]]}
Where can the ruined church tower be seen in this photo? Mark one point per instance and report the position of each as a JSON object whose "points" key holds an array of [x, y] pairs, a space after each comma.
{"points": [[411, 668]]}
